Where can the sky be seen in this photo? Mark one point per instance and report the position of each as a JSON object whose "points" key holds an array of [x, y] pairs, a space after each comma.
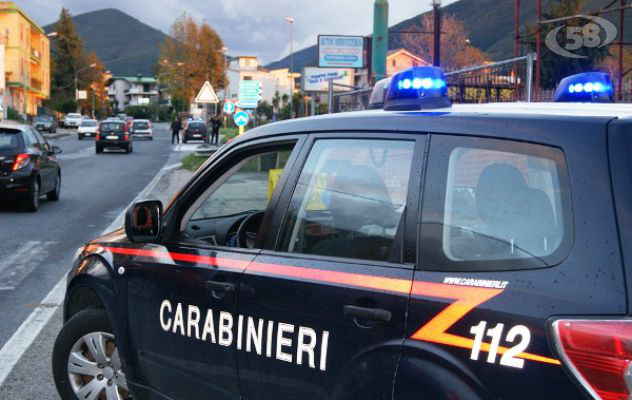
{"points": [[248, 27]]}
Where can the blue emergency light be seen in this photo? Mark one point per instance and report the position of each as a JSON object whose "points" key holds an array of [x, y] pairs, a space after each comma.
{"points": [[417, 88], [589, 87]]}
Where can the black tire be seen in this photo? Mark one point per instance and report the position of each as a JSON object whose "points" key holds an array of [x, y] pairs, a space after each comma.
{"points": [[33, 197], [54, 194], [184, 139], [80, 137], [99, 149], [128, 149], [88, 321]]}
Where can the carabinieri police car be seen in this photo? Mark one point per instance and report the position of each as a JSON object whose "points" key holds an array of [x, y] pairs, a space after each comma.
{"points": [[419, 251]]}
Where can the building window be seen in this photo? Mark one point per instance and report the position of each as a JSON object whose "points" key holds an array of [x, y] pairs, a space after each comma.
{"points": [[394, 63], [247, 78]]}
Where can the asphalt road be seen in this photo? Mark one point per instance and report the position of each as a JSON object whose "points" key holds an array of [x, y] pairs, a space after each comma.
{"points": [[36, 249]]}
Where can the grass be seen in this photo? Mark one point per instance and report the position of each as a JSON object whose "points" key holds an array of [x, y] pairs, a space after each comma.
{"points": [[192, 162], [228, 133]]}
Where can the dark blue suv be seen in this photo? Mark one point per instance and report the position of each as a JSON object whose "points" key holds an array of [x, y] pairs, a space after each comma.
{"points": [[466, 252]]}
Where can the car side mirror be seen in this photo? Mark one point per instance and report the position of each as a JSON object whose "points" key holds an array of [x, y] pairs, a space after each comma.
{"points": [[55, 150], [143, 221]]}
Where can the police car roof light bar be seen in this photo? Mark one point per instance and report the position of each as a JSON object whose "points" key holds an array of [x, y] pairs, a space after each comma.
{"points": [[589, 87], [417, 88]]}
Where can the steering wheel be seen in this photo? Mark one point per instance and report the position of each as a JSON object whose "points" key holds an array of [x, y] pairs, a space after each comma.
{"points": [[247, 231]]}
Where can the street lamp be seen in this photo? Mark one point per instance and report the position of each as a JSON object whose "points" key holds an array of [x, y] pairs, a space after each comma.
{"points": [[51, 34], [290, 20], [436, 12]]}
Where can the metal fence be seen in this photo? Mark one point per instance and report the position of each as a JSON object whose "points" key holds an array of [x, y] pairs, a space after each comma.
{"points": [[509, 80]]}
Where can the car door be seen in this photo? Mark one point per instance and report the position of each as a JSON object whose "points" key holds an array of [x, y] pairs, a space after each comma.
{"points": [[322, 308], [502, 251], [182, 293], [48, 163]]}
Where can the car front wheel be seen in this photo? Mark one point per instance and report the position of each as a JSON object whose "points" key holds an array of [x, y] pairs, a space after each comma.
{"points": [[86, 362]]}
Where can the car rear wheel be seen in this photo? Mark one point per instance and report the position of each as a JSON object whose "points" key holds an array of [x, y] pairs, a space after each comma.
{"points": [[33, 198], [99, 149], [55, 193], [80, 137], [86, 361]]}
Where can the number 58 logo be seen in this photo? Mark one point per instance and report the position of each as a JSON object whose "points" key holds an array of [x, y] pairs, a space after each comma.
{"points": [[582, 36]]}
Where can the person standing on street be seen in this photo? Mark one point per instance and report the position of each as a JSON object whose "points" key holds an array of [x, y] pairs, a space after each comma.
{"points": [[216, 123], [176, 126]]}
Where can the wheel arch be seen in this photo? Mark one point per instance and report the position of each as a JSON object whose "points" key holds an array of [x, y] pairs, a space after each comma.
{"points": [[428, 367]]}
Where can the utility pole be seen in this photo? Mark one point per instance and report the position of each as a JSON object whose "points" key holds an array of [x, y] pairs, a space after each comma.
{"points": [[620, 66], [380, 40], [290, 20], [538, 49], [436, 12]]}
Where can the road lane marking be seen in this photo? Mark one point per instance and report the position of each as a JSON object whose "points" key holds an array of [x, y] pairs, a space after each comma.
{"points": [[15, 268], [14, 348]]}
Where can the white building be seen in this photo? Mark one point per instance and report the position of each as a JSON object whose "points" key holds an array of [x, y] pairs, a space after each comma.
{"points": [[248, 68], [126, 91]]}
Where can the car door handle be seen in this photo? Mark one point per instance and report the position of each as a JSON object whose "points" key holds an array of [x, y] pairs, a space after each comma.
{"points": [[223, 287], [367, 314]]}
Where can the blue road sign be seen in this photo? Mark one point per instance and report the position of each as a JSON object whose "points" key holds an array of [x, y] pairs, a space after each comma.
{"points": [[249, 93], [241, 118], [229, 107]]}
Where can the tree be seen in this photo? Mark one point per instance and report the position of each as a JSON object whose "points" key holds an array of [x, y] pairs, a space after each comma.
{"points": [[456, 50], [264, 110], [555, 67], [191, 55], [67, 59]]}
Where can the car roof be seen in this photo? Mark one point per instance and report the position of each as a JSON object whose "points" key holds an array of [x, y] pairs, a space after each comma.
{"points": [[141, 120], [9, 124], [487, 119]]}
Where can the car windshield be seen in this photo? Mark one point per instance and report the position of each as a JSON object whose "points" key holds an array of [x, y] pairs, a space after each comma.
{"points": [[9, 140], [74, 115], [89, 123], [197, 125], [43, 118], [141, 125], [111, 127]]}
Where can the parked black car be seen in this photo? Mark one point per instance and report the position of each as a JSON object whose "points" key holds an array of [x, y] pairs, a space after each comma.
{"points": [[113, 135], [195, 130], [45, 123], [28, 168]]}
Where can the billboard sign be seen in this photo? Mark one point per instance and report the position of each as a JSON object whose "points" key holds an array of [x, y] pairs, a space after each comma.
{"points": [[317, 79], [340, 51]]}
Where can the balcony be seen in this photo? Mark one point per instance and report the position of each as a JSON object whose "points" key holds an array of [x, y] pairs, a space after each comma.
{"points": [[36, 84], [36, 55]]}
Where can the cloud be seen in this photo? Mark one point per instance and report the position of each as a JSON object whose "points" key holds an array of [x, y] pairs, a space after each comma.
{"points": [[252, 27]]}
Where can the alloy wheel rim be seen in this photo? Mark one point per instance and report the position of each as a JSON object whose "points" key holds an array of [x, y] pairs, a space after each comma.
{"points": [[95, 370]]}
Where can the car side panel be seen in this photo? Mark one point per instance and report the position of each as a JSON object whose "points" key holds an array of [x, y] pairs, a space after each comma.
{"points": [[620, 147]]}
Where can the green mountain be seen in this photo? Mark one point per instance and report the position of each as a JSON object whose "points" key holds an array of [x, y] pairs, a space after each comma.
{"points": [[125, 45], [490, 25]]}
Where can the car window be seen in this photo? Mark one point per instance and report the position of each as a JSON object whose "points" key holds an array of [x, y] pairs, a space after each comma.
{"points": [[246, 187], [41, 139], [88, 123], [349, 199], [9, 140], [111, 127], [31, 139], [141, 125], [493, 204]]}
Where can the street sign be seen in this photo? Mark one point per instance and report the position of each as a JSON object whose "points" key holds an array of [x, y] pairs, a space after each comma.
{"points": [[340, 51], [207, 95], [81, 95], [229, 107], [241, 118], [249, 94]]}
